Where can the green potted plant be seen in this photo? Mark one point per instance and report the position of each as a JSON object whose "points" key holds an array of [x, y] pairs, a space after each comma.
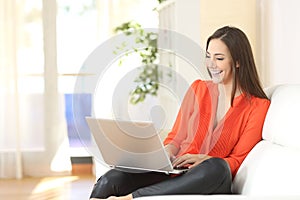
{"points": [[149, 77]]}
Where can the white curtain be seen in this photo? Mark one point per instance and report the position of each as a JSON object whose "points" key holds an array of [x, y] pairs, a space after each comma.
{"points": [[33, 134]]}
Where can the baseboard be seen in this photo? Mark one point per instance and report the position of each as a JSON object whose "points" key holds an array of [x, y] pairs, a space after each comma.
{"points": [[82, 165]]}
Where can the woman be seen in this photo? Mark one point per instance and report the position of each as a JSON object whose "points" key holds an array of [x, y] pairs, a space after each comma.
{"points": [[218, 123]]}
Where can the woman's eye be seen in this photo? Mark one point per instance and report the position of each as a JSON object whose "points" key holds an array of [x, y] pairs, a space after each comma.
{"points": [[220, 58]]}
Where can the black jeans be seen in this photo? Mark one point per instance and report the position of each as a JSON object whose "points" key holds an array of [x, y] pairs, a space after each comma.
{"points": [[213, 176]]}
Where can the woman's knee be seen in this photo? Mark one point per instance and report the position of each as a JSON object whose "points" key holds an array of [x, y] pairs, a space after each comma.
{"points": [[222, 173], [214, 172], [216, 166], [108, 184]]}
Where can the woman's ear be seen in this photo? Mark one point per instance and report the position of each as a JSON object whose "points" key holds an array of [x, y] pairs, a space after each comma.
{"points": [[237, 65]]}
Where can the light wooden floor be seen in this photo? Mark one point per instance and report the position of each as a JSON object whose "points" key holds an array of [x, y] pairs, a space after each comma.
{"points": [[50, 188]]}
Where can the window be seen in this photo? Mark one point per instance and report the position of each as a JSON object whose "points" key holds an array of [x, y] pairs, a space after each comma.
{"points": [[82, 25]]}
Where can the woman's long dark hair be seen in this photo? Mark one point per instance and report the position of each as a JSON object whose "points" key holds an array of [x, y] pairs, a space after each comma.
{"points": [[245, 75]]}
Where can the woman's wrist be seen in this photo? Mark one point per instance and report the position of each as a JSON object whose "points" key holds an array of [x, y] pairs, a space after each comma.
{"points": [[171, 150]]}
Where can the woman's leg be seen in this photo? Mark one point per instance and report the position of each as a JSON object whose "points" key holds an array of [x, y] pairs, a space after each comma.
{"points": [[213, 176], [119, 183]]}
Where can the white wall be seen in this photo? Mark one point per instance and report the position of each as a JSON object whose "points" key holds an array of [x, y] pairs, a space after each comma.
{"points": [[218, 13], [280, 30]]}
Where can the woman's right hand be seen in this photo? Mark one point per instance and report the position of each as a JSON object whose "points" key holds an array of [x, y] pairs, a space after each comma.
{"points": [[189, 160]]}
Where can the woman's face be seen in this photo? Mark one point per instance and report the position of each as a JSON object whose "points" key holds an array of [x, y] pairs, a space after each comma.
{"points": [[219, 62]]}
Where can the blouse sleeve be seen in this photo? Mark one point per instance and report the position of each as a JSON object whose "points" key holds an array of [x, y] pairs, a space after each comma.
{"points": [[251, 135], [179, 131]]}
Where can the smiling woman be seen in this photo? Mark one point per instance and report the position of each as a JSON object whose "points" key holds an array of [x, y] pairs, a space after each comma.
{"points": [[217, 125]]}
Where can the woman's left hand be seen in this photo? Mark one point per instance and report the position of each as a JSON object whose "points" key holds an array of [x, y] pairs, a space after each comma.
{"points": [[190, 160]]}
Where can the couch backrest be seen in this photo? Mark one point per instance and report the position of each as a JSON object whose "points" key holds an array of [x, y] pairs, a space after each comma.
{"points": [[282, 123], [273, 165]]}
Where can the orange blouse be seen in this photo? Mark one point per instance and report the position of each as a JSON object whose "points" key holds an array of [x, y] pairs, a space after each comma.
{"points": [[232, 138]]}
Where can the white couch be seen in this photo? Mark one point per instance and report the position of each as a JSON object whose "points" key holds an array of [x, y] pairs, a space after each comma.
{"points": [[272, 168]]}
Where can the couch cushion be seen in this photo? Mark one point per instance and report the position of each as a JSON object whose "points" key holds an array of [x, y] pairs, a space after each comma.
{"points": [[282, 121], [269, 169]]}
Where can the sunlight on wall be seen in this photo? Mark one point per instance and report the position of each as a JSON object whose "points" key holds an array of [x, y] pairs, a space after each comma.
{"points": [[59, 163]]}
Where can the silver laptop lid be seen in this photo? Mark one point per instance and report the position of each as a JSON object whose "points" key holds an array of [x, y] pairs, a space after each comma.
{"points": [[129, 144]]}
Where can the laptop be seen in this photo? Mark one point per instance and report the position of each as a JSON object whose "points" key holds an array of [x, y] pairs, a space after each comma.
{"points": [[134, 146]]}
